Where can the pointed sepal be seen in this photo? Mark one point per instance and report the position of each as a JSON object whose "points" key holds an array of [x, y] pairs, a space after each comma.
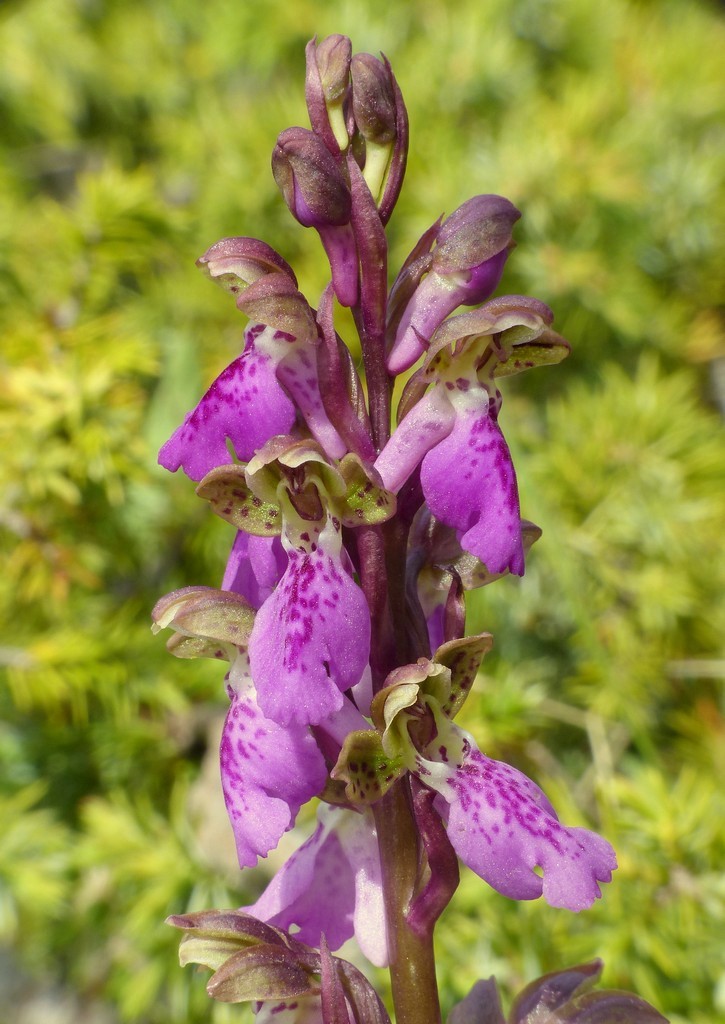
{"points": [[367, 771], [463, 659], [227, 491], [208, 623], [212, 936], [482, 1005], [366, 501]]}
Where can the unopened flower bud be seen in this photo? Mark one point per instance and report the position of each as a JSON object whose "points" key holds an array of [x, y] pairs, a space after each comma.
{"points": [[326, 88], [318, 196], [465, 268], [310, 179], [374, 110], [235, 263], [373, 102]]}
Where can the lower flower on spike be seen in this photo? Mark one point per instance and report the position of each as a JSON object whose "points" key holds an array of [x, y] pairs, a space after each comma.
{"points": [[499, 822], [268, 772], [484, 503], [502, 827], [331, 886]]}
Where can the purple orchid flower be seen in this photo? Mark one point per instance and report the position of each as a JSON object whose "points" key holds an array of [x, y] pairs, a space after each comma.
{"points": [[268, 772], [499, 822], [465, 267], [331, 886], [311, 637], [250, 402], [466, 471], [502, 826]]}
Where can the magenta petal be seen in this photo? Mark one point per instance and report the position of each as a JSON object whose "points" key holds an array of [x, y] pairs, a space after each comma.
{"points": [[310, 641], [426, 425], [254, 567], [331, 885], [502, 826], [246, 404], [298, 372], [267, 774], [469, 482]]}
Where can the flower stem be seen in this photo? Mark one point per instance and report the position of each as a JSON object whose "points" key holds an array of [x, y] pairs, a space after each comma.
{"points": [[412, 964]]}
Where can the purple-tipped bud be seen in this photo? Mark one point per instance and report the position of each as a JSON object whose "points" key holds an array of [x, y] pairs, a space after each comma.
{"points": [[373, 100], [310, 179], [381, 123], [235, 263], [318, 196], [466, 265], [326, 87], [473, 234], [332, 56]]}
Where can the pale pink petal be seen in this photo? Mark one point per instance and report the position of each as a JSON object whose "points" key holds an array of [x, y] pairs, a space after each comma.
{"points": [[298, 373], [426, 425], [331, 885]]}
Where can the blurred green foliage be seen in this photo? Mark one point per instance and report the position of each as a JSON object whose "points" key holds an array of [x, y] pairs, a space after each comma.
{"points": [[133, 136]]}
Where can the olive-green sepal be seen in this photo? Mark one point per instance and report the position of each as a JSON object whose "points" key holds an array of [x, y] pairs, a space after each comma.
{"points": [[463, 657], [365, 500], [212, 936], [365, 768], [546, 350], [250, 960], [208, 623], [227, 491]]}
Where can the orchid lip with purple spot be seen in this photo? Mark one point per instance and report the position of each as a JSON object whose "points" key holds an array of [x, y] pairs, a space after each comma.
{"points": [[245, 405], [502, 826], [479, 495], [267, 772], [311, 637]]}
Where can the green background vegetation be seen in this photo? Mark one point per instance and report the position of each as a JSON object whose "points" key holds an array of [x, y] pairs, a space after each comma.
{"points": [[134, 134]]}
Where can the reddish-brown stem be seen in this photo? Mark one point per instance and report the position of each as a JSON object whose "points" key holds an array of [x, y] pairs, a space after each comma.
{"points": [[412, 964], [382, 561]]}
